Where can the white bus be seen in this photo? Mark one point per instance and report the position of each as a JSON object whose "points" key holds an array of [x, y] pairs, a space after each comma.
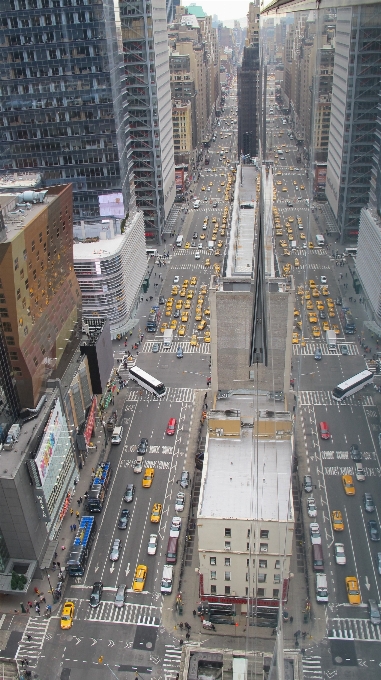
{"points": [[147, 381], [151, 252], [179, 241], [352, 385], [351, 251]]}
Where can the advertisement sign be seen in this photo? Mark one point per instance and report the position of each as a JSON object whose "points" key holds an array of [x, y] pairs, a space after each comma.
{"points": [[49, 441], [90, 421], [111, 205]]}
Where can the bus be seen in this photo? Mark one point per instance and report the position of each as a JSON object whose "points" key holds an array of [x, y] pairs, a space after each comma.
{"points": [[151, 252], [348, 387], [147, 381], [98, 490], [351, 251], [179, 241], [349, 323], [80, 551]]}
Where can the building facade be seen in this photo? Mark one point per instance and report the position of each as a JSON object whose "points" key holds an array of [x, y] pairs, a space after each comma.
{"points": [[247, 96]]}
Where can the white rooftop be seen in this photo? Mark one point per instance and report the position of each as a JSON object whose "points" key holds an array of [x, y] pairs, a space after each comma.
{"points": [[239, 484], [99, 250]]}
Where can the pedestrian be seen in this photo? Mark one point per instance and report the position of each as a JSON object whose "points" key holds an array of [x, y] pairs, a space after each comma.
{"points": [[30, 604], [273, 632], [71, 511], [78, 502], [74, 529], [181, 642], [187, 635], [291, 619], [77, 514], [296, 643], [37, 608], [71, 527], [63, 547], [181, 625], [28, 637], [304, 634], [194, 613], [22, 663]]}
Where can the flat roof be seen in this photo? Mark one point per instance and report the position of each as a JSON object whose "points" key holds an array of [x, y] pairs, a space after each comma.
{"points": [[97, 251], [20, 217], [20, 180], [241, 244], [246, 479]]}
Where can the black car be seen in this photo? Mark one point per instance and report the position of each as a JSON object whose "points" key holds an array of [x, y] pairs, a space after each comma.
{"points": [[367, 499], [96, 594], [161, 300], [215, 204], [374, 533], [176, 314], [195, 235], [129, 493], [123, 519], [355, 452], [143, 446], [322, 315]]}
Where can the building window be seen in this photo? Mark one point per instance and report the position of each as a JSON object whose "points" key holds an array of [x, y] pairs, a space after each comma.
{"points": [[35, 361], [213, 575], [262, 577], [228, 545], [248, 562], [3, 313], [247, 546], [213, 590], [275, 592], [7, 327], [263, 547], [16, 263], [261, 592], [276, 578], [263, 564], [10, 340], [213, 560], [228, 575], [248, 533], [227, 590], [227, 561], [247, 576], [228, 533], [246, 591], [264, 533], [277, 564]]}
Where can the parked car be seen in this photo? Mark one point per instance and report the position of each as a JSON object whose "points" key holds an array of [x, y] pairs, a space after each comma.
{"points": [[180, 502], [374, 533], [175, 526], [311, 507], [307, 483], [315, 534]]}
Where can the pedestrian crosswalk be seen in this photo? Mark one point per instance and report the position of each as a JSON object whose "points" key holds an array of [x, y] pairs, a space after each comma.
{"points": [[181, 394], [311, 348], [171, 663], [353, 629], [137, 614], [324, 398], [312, 667], [192, 251], [37, 629], [202, 347], [311, 251], [314, 265]]}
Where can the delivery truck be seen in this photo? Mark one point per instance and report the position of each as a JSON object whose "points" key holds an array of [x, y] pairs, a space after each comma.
{"points": [[167, 338]]}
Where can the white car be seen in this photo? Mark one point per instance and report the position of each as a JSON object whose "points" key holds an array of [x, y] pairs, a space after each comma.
{"points": [[311, 507], [138, 465], [323, 279], [200, 246], [180, 502], [152, 544], [204, 226], [175, 526], [197, 255], [176, 279], [340, 553], [315, 533]]}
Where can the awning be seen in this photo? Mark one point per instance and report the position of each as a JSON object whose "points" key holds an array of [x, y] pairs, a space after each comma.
{"points": [[373, 327]]}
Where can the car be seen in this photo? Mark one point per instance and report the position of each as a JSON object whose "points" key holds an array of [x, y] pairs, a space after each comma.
{"points": [[161, 300], [315, 534], [179, 352], [171, 427], [197, 255], [374, 613], [143, 446], [147, 480], [378, 562], [187, 245], [374, 533], [96, 594], [322, 314], [175, 526], [355, 452], [316, 331], [312, 318], [215, 204], [318, 354], [296, 262], [123, 519], [138, 465], [156, 513], [344, 349], [207, 262], [194, 341], [368, 502], [181, 330], [129, 493], [311, 507], [152, 544], [173, 325], [324, 430], [352, 587], [195, 235], [184, 479], [67, 615], [188, 304], [120, 595], [337, 520], [202, 188], [139, 578], [180, 502], [340, 554], [348, 485], [176, 279], [207, 337], [201, 325], [307, 483], [115, 550], [325, 325], [323, 280]]}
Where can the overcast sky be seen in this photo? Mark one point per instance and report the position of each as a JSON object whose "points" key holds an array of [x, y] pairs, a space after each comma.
{"points": [[226, 10]]}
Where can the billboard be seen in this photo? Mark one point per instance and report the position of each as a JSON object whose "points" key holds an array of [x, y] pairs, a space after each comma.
{"points": [[49, 441], [111, 205]]}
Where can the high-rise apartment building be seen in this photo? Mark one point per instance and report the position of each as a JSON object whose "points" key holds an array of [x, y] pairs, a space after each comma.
{"points": [[355, 96], [64, 104], [146, 60], [40, 298], [247, 95]]}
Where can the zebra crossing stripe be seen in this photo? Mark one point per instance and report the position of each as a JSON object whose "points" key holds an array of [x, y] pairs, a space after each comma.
{"points": [[312, 667]]}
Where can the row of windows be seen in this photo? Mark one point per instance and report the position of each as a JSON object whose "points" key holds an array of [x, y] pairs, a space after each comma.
{"points": [[261, 592], [261, 577], [262, 563], [17, 5]]}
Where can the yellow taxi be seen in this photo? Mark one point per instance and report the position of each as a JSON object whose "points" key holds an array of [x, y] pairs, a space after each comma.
{"points": [[188, 304], [202, 236], [325, 291], [337, 520], [352, 587], [310, 245], [193, 281], [279, 232], [187, 245], [156, 512], [207, 312], [284, 188], [217, 253], [207, 336], [302, 236], [309, 304], [206, 220], [295, 182], [295, 338], [163, 327], [336, 329], [170, 302], [312, 318], [207, 262], [190, 295], [299, 220], [348, 485], [291, 168], [179, 304], [278, 173], [185, 317], [198, 315], [320, 305], [331, 313], [203, 290], [214, 219], [315, 293], [214, 237], [296, 312], [183, 292], [325, 325], [279, 182], [312, 284], [286, 268], [291, 236], [316, 331], [290, 219], [201, 325], [175, 290], [193, 341], [302, 187], [217, 268], [283, 244], [286, 252], [202, 188], [168, 311], [219, 244], [222, 184], [185, 283], [139, 578], [200, 301], [147, 480], [173, 324], [67, 615], [210, 184], [218, 189], [181, 330], [307, 295]]}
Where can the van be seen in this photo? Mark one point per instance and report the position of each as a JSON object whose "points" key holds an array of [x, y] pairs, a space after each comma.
{"points": [[179, 241], [317, 557], [196, 204], [171, 554], [359, 472], [167, 579], [117, 435], [319, 240], [321, 588]]}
